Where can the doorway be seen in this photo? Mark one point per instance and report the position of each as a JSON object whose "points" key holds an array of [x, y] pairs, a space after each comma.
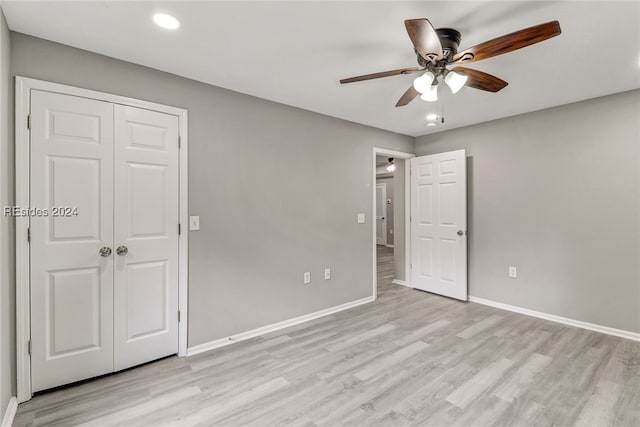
{"points": [[390, 225]]}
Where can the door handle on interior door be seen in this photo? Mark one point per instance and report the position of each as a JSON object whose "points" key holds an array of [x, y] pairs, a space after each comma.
{"points": [[122, 250], [460, 233], [105, 251]]}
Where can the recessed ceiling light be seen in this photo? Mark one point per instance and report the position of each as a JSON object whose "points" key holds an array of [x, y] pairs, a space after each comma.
{"points": [[430, 124], [432, 116], [166, 21]]}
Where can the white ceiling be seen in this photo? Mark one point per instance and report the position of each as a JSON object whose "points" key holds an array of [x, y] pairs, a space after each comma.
{"points": [[295, 52]]}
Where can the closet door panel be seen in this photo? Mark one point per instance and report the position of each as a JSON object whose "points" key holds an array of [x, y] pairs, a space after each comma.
{"points": [[146, 233], [71, 183]]}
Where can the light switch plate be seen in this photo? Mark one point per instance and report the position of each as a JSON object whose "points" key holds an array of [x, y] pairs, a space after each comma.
{"points": [[327, 274], [306, 278], [194, 223], [513, 272], [360, 218]]}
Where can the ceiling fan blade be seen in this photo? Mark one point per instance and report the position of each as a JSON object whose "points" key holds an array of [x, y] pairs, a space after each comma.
{"points": [[407, 97], [382, 74], [481, 80], [509, 43], [424, 38]]}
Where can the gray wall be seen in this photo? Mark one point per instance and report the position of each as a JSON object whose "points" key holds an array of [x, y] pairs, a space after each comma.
{"points": [[556, 193], [292, 184], [7, 270], [7, 231], [388, 181]]}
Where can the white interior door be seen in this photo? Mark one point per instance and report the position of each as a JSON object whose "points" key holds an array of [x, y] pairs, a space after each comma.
{"points": [[71, 283], [146, 236], [381, 214], [439, 224]]}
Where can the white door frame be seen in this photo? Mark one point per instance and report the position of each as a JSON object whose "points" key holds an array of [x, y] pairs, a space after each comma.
{"points": [[384, 214], [407, 212], [23, 88]]}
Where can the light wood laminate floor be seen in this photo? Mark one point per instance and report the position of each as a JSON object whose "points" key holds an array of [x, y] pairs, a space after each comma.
{"points": [[410, 358]]}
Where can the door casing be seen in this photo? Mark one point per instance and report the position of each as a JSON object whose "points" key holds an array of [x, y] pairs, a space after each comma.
{"points": [[23, 88]]}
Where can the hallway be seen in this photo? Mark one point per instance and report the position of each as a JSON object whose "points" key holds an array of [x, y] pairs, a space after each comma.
{"points": [[385, 267]]}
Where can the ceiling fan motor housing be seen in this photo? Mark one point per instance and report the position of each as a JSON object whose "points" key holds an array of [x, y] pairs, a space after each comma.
{"points": [[450, 40]]}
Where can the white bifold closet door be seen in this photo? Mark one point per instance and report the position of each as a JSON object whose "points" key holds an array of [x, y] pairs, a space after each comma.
{"points": [[94, 311]]}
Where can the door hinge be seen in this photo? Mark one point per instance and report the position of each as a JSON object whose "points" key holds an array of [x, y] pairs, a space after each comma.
{"points": [[179, 143], [410, 266], [178, 316], [179, 229], [29, 347], [29, 234], [29, 122]]}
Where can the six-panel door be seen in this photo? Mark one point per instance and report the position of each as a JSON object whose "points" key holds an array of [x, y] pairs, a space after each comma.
{"points": [[439, 224], [108, 177], [71, 283], [146, 224]]}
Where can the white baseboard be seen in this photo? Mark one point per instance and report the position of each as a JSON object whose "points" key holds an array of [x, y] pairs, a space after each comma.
{"points": [[10, 413], [635, 336], [200, 348], [400, 282]]}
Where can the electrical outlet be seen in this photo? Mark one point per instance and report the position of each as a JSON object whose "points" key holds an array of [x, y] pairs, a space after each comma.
{"points": [[513, 272], [307, 277], [327, 273]]}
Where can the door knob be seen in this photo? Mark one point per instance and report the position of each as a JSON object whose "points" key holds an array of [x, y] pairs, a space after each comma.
{"points": [[460, 233], [122, 250], [105, 251]]}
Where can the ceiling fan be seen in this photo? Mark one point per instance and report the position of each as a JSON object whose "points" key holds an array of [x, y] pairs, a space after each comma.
{"points": [[436, 50]]}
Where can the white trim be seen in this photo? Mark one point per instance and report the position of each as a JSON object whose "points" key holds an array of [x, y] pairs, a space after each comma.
{"points": [[22, 143], [407, 222], [23, 306], [400, 282], [10, 413], [407, 209], [183, 239], [389, 246], [200, 348], [635, 336]]}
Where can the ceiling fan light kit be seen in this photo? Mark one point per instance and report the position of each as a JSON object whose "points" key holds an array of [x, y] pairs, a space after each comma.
{"points": [[436, 50], [430, 95], [423, 83], [455, 80]]}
